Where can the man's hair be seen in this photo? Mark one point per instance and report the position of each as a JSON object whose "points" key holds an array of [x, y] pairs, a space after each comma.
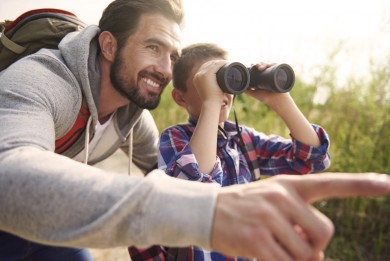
{"points": [[121, 17], [190, 56]]}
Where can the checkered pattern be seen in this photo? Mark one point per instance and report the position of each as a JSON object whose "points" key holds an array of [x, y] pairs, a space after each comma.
{"points": [[266, 154], [237, 162]]}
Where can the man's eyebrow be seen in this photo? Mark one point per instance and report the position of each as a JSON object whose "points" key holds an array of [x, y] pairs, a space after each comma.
{"points": [[155, 41]]}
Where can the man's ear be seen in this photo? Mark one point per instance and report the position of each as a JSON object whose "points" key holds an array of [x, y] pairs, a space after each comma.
{"points": [[108, 45], [178, 97]]}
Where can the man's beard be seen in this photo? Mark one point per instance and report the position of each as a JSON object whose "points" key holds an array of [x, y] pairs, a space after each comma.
{"points": [[130, 90]]}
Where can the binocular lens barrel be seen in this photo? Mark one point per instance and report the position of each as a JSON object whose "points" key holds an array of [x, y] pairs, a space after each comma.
{"points": [[235, 78], [277, 78]]}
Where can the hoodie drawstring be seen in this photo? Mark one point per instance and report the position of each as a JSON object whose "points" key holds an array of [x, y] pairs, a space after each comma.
{"points": [[86, 141], [86, 145], [130, 154]]}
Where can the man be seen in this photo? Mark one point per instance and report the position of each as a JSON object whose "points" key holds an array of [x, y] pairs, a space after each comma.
{"points": [[116, 70]]}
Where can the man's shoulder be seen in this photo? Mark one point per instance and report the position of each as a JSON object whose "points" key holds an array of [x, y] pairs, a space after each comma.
{"points": [[42, 74], [40, 64]]}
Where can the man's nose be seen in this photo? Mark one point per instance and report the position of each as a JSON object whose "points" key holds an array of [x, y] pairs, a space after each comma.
{"points": [[165, 67]]}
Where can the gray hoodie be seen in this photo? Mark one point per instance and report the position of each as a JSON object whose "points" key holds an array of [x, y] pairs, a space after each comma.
{"points": [[52, 199]]}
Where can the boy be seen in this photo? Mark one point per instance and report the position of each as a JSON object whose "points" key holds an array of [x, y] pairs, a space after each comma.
{"points": [[212, 149], [189, 151]]}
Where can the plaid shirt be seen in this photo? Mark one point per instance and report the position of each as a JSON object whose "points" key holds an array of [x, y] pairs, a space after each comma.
{"points": [[236, 162]]}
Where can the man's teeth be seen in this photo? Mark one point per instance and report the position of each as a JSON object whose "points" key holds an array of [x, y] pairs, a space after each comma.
{"points": [[151, 83]]}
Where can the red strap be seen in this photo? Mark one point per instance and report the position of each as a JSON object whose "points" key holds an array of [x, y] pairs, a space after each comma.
{"points": [[67, 140], [36, 11]]}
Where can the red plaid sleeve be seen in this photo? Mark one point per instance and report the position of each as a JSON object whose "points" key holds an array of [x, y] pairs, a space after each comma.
{"points": [[153, 253]]}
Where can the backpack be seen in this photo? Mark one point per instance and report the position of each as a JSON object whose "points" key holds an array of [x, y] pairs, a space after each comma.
{"points": [[36, 29], [33, 30]]}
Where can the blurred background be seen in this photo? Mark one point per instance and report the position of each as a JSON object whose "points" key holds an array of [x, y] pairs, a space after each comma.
{"points": [[340, 52], [300, 32]]}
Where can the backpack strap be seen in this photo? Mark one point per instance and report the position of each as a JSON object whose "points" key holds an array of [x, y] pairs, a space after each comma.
{"points": [[10, 45], [63, 143]]}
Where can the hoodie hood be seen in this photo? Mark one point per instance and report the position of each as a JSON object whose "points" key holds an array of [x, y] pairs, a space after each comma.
{"points": [[79, 51], [86, 68]]}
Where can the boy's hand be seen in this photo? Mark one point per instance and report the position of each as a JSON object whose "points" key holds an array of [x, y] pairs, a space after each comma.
{"points": [[267, 97], [205, 81]]}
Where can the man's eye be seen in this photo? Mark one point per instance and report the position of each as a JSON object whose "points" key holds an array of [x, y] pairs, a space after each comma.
{"points": [[174, 58], [153, 48]]}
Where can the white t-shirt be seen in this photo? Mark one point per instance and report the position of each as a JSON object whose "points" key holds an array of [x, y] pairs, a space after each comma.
{"points": [[92, 144]]}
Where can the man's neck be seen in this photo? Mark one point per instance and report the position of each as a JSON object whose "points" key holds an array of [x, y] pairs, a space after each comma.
{"points": [[109, 99], [109, 102]]}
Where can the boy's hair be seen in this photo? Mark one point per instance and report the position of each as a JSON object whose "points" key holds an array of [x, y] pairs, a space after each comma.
{"points": [[190, 56], [121, 17]]}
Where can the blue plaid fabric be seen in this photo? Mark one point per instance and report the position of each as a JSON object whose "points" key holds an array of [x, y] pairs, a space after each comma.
{"points": [[235, 163]]}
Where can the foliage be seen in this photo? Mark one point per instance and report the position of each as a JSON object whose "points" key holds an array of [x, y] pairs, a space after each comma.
{"points": [[357, 119]]}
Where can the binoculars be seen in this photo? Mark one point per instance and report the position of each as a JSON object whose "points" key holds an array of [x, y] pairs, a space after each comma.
{"points": [[235, 78]]}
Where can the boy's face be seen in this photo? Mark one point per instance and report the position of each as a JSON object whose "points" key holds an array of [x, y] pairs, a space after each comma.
{"points": [[193, 103]]}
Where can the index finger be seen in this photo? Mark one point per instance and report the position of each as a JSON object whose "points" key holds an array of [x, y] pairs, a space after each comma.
{"points": [[340, 185]]}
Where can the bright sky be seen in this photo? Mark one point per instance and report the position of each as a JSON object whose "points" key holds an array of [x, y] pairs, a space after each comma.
{"points": [[300, 32]]}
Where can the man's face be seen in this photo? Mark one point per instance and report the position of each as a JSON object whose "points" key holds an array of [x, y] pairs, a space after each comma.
{"points": [[143, 67]]}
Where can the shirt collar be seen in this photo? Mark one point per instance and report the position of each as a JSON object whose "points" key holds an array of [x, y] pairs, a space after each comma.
{"points": [[229, 127]]}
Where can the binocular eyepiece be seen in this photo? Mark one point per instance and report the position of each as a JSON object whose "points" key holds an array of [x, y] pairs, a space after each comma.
{"points": [[235, 78]]}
